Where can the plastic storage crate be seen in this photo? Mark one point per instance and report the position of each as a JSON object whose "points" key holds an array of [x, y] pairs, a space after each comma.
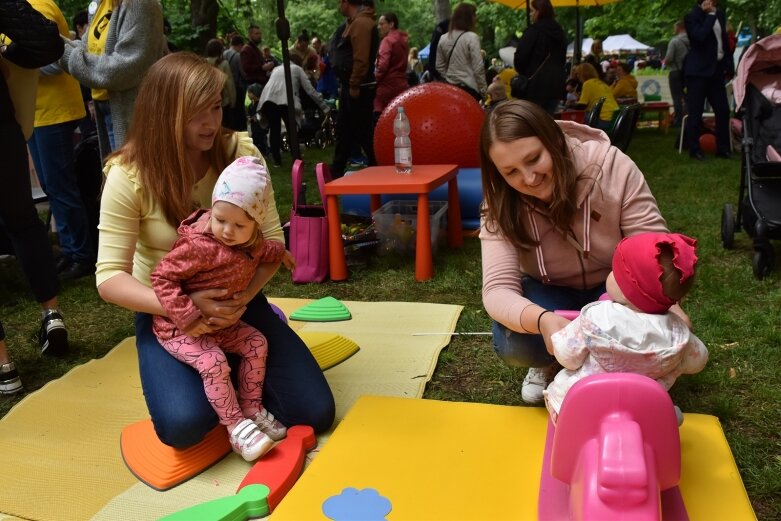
{"points": [[396, 224]]}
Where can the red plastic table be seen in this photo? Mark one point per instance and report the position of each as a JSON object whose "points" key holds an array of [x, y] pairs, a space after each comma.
{"points": [[379, 180]]}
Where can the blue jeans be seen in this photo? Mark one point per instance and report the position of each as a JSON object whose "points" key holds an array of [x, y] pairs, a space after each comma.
{"points": [[105, 127], [51, 147], [295, 390], [528, 350]]}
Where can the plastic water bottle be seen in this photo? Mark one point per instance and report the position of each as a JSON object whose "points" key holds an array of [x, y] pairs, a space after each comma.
{"points": [[401, 144]]}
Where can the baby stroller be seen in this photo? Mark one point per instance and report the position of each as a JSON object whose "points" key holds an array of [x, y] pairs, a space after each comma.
{"points": [[315, 128], [757, 88]]}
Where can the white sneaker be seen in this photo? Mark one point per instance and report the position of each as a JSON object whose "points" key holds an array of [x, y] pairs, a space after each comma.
{"points": [[248, 441], [9, 379], [537, 379], [266, 423]]}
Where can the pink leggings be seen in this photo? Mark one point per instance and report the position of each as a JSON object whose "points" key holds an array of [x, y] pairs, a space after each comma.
{"points": [[206, 354]]}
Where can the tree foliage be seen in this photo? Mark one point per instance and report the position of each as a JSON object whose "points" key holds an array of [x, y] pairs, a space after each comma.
{"points": [[650, 21]]}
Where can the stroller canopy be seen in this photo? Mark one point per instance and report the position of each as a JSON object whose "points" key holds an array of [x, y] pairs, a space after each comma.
{"points": [[759, 57]]}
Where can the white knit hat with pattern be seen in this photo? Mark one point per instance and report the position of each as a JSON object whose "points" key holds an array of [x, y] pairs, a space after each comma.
{"points": [[245, 183]]}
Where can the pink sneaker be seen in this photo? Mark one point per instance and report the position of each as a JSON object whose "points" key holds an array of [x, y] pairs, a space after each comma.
{"points": [[266, 422], [247, 440]]}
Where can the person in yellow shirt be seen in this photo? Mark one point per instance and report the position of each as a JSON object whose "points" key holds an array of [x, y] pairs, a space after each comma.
{"points": [[625, 85], [58, 110], [592, 89]]}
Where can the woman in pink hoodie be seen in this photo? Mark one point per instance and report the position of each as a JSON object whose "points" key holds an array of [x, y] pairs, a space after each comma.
{"points": [[558, 199], [390, 69]]}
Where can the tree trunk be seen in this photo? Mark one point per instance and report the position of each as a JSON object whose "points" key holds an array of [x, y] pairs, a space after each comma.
{"points": [[441, 10], [204, 18]]}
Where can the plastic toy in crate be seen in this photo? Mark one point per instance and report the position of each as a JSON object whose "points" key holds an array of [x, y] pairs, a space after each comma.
{"points": [[396, 223], [360, 239]]}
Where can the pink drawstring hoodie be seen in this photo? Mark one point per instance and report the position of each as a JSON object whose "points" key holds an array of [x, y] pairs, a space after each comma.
{"points": [[613, 202]]}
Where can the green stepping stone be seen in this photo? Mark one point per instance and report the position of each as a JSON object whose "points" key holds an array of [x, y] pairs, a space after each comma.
{"points": [[326, 309]]}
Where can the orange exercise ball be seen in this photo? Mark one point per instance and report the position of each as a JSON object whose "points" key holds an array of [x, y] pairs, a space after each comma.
{"points": [[708, 143], [445, 126]]}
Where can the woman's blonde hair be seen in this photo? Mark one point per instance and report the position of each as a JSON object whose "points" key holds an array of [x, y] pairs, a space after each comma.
{"points": [[503, 209], [586, 71], [176, 88]]}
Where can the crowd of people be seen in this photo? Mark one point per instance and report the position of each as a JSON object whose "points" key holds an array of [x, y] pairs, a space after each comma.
{"points": [[566, 216]]}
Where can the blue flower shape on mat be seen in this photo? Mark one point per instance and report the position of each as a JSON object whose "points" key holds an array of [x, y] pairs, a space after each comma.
{"points": [[357, 505]]}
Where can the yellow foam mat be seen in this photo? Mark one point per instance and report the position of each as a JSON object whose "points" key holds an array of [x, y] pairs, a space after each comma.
{"points": [[60, 445], [449, 460]]}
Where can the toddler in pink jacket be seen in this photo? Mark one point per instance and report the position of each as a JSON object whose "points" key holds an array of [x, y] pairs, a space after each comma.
{"points": [[222, 248], [634, 331]]}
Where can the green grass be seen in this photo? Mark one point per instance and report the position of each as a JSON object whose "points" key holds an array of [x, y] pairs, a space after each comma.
{"points": [[735, 315]]}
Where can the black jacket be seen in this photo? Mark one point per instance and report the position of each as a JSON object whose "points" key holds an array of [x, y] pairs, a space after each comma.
{"points": [[543, 39], [702, 60], [35, 42]]}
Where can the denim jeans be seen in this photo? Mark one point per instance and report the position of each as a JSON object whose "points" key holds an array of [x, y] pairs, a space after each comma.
{"points": [[528, 350], [51, 147], [295, 390], [19, 218], [105, 127]]}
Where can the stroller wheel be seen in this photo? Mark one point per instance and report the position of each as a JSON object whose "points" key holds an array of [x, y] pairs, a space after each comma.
{"points": [[728, 226], [763, 262]]}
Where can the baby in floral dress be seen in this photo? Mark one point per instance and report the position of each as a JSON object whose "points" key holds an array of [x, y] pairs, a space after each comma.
{"points": [[634, 331]]}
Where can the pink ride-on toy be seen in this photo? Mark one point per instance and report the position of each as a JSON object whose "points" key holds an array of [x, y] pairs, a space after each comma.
{"points": [[613, 453]]}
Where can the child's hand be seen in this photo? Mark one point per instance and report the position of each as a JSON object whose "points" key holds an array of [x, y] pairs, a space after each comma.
{"points": [[288, 260], [198, 328]]}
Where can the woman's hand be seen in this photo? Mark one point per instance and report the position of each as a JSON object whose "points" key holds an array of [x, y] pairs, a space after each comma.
{"points": [[678, 310], [551, 322], [219, 314], [288, 261], [198, 328]]}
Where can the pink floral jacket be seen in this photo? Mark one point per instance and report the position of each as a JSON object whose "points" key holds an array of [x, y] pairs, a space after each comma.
{"points": [[196, 262]]}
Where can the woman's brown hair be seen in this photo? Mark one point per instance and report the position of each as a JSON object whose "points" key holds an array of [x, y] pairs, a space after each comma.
{"points": [[503, 206], [463, 18], [544, 9], [175, 88]]}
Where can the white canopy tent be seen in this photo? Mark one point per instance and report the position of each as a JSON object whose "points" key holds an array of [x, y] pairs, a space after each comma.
{"points": [[623, 43], [619, 43]]}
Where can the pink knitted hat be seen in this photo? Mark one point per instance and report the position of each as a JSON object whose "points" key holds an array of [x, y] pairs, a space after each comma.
{"points": [[637, 271], [245, 183]]}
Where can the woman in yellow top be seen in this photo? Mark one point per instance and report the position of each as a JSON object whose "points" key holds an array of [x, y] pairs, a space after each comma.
{"points": [[58, 110], [169, 164], [626, 84], [592, 89]]}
